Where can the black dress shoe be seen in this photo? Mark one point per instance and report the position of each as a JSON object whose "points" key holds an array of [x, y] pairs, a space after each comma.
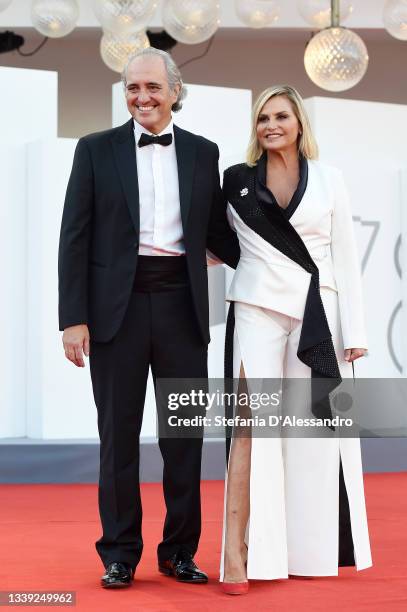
{"points": [[182, 567], [117, 575]]}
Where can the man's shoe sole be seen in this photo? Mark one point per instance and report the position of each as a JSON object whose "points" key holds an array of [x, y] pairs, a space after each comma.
{"points": [[116, 585], [168, 572]]}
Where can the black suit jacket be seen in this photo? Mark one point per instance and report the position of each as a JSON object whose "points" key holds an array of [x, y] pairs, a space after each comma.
{"points": [[100, 228]]}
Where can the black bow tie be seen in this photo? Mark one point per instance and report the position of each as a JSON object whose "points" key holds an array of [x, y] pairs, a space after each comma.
{"points": [[146, 139]]}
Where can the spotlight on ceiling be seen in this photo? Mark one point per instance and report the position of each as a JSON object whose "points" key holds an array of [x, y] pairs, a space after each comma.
{"points": [[161, 40], [9, 41]]}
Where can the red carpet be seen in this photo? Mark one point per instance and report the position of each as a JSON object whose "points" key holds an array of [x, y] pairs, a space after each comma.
{"points": [[47, 535]]}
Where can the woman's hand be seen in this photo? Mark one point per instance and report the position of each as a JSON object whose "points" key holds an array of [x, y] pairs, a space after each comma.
{"points": [[354, 353]]}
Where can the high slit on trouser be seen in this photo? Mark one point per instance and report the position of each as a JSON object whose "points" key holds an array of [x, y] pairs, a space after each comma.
{"points": [[293, 527]]}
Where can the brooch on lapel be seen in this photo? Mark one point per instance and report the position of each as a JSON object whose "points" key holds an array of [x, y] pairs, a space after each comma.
{"points": [[244, 191]]}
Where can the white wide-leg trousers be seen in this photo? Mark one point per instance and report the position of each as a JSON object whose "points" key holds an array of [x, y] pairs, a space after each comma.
{"points": [[294, 482]]}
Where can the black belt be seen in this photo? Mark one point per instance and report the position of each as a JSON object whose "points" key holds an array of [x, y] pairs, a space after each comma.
{"points": [[160, 273]]}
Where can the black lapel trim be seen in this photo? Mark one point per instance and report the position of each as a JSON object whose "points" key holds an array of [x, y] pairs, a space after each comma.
{"points": [[185, 147], [267, 221], [268, 197], [300, 191], [126, 161]]}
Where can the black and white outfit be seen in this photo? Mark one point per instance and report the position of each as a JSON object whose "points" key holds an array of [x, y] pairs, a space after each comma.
{"points": [[138, 217], [297, 304]]}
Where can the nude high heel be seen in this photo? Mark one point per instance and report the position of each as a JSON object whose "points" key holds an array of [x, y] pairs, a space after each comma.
{"points": [[236, 588]]}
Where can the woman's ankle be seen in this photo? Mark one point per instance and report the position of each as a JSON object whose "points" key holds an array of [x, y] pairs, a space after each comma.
{"points": [[235, 565]]}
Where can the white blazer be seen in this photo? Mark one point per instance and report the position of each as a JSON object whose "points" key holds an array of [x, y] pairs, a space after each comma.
{"points": [[266, 277]]}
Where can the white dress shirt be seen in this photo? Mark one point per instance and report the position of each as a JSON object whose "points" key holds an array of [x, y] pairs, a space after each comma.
{"points": [[161, 230]]}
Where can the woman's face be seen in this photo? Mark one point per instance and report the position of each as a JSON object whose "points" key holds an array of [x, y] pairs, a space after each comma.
{"points": [[277, 125]]}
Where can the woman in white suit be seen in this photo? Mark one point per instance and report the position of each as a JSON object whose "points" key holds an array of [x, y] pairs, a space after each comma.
{"points": [[293, 506]]}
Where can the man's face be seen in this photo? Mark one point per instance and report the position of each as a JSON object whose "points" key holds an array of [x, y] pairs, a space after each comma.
{"points": [[148, 95]]}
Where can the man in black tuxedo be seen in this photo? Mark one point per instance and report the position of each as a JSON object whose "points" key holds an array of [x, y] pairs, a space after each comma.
{"points": [[142, 205]]}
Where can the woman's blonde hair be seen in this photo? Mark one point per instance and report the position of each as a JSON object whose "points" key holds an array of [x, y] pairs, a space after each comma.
{"points": [[307, 144]]}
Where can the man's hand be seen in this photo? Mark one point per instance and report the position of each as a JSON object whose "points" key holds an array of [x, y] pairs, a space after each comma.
{"points": [[354, 353], [76, 342]]}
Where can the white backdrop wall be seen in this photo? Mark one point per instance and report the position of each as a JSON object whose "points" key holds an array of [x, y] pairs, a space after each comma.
{"points": [[59, 397], [21, 90], [13, 291], [367, 141], [54, 398], [403, 266], [54, 401]]}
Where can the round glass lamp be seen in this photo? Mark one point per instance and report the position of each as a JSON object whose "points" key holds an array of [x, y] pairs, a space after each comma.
{"points": [[395, 18], [257, 13], [191, 21], [115, 49], [318, 12], [54, 18], [336, 59], [124, 16]]}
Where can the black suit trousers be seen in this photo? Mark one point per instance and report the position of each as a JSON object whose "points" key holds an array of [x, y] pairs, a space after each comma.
{"points": [[160, 331]]}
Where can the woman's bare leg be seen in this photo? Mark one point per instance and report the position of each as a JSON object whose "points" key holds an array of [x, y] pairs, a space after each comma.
{"points": [[238, 499]]}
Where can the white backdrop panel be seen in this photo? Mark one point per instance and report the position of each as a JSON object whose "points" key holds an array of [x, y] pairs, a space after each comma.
{"points": [[367, 141], [13, 291], [28, 104], [403, 266], [59, 398], [28, 110]]}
